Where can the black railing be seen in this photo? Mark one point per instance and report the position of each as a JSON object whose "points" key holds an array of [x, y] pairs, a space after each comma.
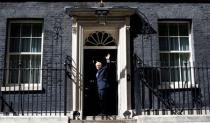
{"points": [[171, 90], [27, 91]]}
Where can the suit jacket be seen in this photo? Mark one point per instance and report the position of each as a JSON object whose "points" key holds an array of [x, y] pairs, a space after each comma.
{"points": [[102, 76]]}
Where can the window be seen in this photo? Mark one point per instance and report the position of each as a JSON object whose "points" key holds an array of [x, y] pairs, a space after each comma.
{"points": [[24, 52], [175, 51], [100, 39]]}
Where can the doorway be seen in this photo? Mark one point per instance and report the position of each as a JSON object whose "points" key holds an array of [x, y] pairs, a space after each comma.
{"points": [[91, 41], [90, 93]]}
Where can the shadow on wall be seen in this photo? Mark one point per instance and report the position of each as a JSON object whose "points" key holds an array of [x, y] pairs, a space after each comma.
{"points": [[140, 31], [140, 25]]}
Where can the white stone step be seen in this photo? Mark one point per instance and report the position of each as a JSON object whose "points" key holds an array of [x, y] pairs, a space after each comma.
{"points": [[104, 121]]}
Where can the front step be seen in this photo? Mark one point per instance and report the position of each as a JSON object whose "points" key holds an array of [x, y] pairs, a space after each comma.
{"points": [[104, 121], [110, 117]]}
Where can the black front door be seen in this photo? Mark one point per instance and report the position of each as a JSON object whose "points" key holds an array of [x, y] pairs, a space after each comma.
{"points": [[91, 100]]}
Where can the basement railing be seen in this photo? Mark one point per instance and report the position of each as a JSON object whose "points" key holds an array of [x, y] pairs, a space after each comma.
{"points": [[171, 90], [35, 91]]}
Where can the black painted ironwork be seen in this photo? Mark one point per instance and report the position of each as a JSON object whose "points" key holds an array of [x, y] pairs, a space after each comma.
{"points": [[5, 103], [145, 74], [33, 98], [45, 97], [190, 96], [49, 97], [152, 95]]}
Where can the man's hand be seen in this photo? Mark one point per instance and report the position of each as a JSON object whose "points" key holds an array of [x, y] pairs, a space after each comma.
{"points": [[108, 56]]}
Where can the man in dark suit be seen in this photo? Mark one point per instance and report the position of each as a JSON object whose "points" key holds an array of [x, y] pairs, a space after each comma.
{"points": [[102, 83]]}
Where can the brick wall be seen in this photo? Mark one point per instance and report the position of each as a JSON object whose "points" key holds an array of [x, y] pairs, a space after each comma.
{"points": [[56, 48]]}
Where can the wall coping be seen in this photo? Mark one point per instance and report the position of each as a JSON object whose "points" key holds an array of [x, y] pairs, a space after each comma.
{"points": [[173, 119]]}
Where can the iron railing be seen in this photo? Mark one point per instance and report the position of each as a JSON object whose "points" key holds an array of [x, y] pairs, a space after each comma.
{"points": [[154, 94], [44, 93], [160, 90]]}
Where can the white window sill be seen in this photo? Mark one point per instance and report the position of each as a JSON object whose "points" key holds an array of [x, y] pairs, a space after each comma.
{"points": [[22, 87], [178, 85]]}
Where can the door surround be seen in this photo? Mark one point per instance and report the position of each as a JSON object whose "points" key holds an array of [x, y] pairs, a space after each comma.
{"points": [[120, 27]]}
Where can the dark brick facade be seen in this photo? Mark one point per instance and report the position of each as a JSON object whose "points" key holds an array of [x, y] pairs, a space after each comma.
{"points": [[56, 47]]}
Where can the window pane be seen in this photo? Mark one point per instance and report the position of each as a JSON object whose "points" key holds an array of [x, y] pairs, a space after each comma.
{"points": [[35, 64], [26, 30], [13, 76], [35, 61], [173, 29], [14, 45], [35, 75], [36, 45], [25, 61], [13, 71], [186, 72], [163, 29], [184, 43], [183, 29], [174, 44], [25, 45], [24, 75], [164, 58], [25, 69], [13, 61], [175, 74], [184, 59], [174, 59], [15, 30], [164, 44], [37, 30], [165, 75]]}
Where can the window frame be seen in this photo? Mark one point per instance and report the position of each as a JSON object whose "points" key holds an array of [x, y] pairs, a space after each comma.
{"points": [[178, 84], [23, 86]]}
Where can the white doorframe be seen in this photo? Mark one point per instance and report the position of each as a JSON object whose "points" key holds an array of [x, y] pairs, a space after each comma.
{"points": [[123, 68], [123, 62]]}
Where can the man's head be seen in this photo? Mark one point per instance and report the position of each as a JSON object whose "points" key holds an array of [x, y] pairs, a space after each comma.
{"points": [[98, 65]]}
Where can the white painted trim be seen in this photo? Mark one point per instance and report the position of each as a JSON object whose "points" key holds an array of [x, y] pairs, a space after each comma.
{"points": [[175, 51], [25, 37], [100, 47], [127, 41], [123, 68], [23, 87], [190, 51], [166, 116], [25, 53], [178, 85], [124, 87], [75, 64], [35, 118], [81, 63]]}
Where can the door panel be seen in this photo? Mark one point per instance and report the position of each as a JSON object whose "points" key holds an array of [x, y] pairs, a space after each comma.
{"points": [[91, 101]]}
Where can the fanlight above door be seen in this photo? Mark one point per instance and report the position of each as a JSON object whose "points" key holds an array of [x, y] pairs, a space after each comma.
{"points": [[100, 39]]}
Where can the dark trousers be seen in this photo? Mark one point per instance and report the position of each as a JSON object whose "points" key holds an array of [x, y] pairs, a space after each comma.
{"points": [[103, 96]]}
